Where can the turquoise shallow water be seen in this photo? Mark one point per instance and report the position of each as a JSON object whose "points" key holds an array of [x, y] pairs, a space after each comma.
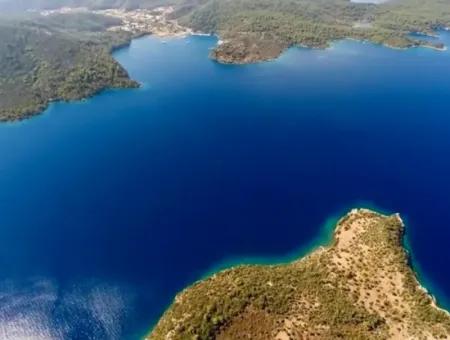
{"points": [[110, 206]]}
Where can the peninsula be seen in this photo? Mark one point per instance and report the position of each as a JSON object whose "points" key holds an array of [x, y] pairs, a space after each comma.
{"points": [[359, 287], [57, 57], [261, 30]]}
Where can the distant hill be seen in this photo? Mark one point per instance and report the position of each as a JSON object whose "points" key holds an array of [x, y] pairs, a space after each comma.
{"points": [[20, 5]]}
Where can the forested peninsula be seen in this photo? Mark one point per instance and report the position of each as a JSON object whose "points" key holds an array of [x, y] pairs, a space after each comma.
{"points": [[66, 55], [359, 287], [260, 30]]}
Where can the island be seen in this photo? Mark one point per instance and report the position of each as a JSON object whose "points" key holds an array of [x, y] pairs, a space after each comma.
{"points": [[361, 286]]}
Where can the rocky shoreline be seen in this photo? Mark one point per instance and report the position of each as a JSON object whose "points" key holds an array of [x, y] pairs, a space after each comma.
{"points": [[246, 50]]}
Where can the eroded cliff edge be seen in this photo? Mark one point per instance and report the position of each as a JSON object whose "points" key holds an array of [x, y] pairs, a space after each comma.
{"points": [[359, 287]]}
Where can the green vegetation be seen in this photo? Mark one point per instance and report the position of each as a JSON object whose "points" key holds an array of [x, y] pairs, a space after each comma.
{"points": [[210, 307], [260, 30], [360, 287], [66, 57], [60, 57]]}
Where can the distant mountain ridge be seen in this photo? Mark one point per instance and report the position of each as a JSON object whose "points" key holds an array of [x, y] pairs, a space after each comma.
{"points": [[20, 5]]}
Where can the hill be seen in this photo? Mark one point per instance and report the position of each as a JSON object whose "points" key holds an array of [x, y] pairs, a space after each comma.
{"points": [[21, 5]]}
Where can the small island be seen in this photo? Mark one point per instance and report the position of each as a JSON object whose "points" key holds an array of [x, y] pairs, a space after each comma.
{"points": [[361, 286]]}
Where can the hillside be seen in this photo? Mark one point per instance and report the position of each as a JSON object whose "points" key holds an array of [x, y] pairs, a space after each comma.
{"points": [[359, 287], [56, 58]]}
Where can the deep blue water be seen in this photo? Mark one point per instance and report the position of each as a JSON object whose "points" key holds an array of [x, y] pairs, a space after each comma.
{"points": [[110, 206]]}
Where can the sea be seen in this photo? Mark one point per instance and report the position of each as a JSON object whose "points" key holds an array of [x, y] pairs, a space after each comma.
{"points": [[111, 205]]}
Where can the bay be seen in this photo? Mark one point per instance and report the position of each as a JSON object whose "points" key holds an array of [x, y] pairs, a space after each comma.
{"points": [[110, 206]]}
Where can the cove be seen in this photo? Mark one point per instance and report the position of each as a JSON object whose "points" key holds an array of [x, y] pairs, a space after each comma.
{"points": [[110, 206]]}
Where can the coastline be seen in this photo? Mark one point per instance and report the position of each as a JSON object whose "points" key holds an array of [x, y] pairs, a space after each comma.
{"points": [[324, 239], [245, 59], [187, 32], [126, 83], [440, 299], [183, 302]]}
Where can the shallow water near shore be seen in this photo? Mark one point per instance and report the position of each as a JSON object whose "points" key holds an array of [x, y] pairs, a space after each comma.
{"points": [[110, 206]]}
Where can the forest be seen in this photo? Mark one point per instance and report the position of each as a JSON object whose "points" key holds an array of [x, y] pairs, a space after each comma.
{"points": [[60, 57]]}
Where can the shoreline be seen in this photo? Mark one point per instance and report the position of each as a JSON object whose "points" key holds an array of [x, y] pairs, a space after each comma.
{"points": [[171, 316], [326, 232], [243, 61], [438, 302], [183, 35], [324, 239], [442, 302]]}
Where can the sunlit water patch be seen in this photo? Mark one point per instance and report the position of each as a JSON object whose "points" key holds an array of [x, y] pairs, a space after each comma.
{"points": [[38, 309]]}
